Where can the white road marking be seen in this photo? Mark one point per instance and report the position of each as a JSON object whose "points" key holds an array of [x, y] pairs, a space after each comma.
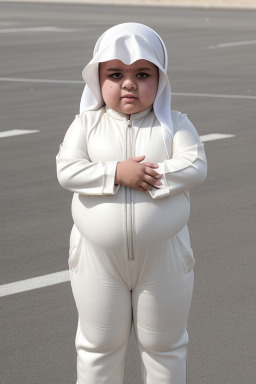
{"points": [[39, 29], [235, 44], [215, 136], [210, 137], [16, 132], [189, 94], [215, 95], [21, 80], [34, 283]]}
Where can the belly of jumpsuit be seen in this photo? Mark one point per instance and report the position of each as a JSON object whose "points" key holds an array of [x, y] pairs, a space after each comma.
{"points": [[104, 222]]}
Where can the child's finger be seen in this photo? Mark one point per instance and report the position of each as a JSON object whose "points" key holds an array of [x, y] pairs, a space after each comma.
{"points": [[138, 159], [151, 172], [147, 187], [142, 190], [152, 181], [150, 165]]}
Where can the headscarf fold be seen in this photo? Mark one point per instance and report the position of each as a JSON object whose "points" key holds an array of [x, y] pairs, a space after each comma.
{"points": [[129, 42]]}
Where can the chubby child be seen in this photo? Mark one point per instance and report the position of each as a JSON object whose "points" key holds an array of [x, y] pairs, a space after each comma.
{"points": [[130, 162]]}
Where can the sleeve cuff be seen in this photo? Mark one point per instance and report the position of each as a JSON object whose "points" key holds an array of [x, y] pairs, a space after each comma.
{"points": [[162, 190], [109, 187]]}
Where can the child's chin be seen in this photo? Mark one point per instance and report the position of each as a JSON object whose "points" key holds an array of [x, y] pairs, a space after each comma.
{"points": [[129, 110]]}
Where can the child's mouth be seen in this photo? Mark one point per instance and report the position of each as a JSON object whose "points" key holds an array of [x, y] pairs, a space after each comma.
{"points": [[129, 97]]}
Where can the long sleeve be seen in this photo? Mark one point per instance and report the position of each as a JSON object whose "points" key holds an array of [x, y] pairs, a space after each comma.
{"points": [[188, 165], [76, 172]]}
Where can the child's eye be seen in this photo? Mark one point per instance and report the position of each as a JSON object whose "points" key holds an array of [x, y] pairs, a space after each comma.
{"points": [[142, 75], [116, 75]]}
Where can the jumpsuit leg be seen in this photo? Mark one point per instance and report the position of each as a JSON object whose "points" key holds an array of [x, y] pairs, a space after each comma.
{"points": [[161, 302], [104, 308]]}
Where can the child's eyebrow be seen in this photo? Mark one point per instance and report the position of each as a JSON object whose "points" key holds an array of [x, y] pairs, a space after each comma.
{"points": [[143, 69], [114, 69]]}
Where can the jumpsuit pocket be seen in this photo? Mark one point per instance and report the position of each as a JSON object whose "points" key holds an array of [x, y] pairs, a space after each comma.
{"points": [[185, 252], [75, 249]]}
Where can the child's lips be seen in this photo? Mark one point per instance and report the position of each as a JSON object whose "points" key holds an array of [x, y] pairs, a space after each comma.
{"points": [[129, 96]]}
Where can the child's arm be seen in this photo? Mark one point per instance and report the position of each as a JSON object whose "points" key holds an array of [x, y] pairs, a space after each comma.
{"points": [[188, 165], [76, 172]]}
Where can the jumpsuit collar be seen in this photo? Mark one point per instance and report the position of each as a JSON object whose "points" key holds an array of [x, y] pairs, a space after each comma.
{"points": [[123, 116]]}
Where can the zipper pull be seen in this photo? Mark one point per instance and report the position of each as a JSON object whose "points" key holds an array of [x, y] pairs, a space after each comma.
{"points": [[129, 123]]}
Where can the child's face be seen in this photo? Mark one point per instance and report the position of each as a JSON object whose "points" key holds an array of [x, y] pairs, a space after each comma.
{"points": [[128, 88]]}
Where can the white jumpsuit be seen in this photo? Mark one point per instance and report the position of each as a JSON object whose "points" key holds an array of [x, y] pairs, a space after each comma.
{"points": [[130, 256]]}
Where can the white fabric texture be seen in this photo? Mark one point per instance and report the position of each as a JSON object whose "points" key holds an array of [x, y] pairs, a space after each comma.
{"points": [[129, 42]]}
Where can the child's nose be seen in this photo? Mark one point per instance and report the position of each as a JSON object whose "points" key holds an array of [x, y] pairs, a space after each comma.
{"points": [[129, 84]]}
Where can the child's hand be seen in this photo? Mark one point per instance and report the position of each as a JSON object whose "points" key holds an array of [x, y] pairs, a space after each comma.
{"points": [[134, 174]]}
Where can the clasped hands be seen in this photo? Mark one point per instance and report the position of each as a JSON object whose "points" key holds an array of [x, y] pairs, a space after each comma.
{"points": [[134, 174]]}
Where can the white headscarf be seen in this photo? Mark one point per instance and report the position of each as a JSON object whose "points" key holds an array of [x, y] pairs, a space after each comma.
{"points": [[129, 42]]}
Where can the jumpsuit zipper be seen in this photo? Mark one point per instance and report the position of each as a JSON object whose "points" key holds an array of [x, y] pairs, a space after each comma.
{"points": [[128, 197]]}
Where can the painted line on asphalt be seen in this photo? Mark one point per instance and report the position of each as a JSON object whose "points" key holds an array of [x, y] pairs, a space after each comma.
{"points": [[39, 29], [50, 81], [226, 4], [189, 94], [235, 44], [215, 95], [215, 136], [34, 283], [16, 132]]}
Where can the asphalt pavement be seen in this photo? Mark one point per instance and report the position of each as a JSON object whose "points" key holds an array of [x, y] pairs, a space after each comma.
{"points": [[212, 56]]}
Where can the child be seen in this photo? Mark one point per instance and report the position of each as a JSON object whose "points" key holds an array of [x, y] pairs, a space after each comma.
{"points": [[130, 162]]}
